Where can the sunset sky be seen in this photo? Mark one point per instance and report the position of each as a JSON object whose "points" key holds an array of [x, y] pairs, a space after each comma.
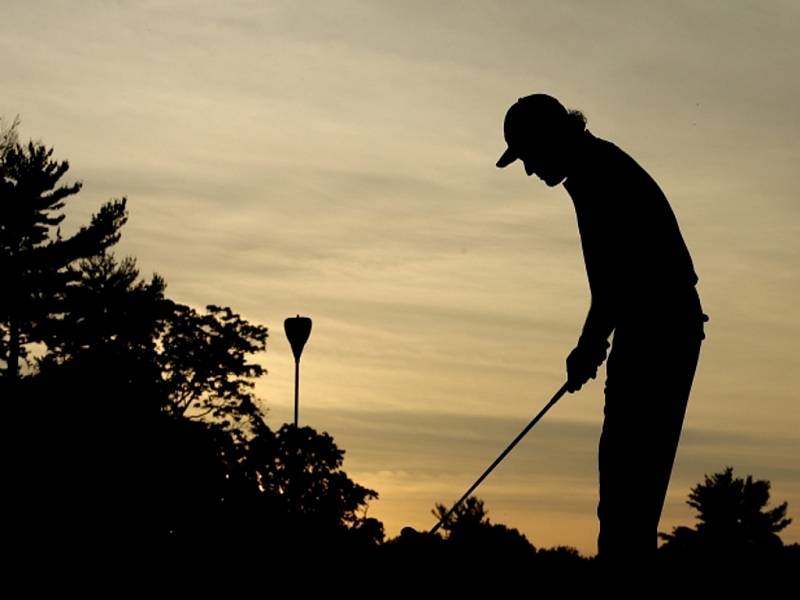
{"points": [[337, 160]]}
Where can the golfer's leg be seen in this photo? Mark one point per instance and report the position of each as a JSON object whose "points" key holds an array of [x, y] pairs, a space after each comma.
{"points": [[669, 406], [622, 459], [647, 390]]}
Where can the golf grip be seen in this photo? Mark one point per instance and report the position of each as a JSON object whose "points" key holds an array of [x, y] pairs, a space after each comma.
{"points": [[497, 461]]}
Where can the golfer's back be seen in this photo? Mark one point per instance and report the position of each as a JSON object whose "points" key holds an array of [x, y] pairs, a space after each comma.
{"points": [[636, 259]]}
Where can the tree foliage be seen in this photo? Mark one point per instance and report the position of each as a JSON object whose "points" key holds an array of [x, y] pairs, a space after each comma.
{"points": [[732, 518], [106, 307], [9, 134], [469, 531], [203, 359], [35, 260]]}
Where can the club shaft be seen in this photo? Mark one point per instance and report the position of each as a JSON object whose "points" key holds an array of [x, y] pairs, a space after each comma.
{"points": [[499, 459]]}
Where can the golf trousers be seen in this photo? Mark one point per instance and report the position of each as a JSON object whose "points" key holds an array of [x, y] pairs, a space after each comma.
{"points": [[649, 376]]}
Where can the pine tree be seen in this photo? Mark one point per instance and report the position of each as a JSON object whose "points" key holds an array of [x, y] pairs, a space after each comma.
{"points": [[35, 260]]}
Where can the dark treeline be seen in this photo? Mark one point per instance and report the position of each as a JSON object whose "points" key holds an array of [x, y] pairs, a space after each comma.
{"points": [[131, 419]]}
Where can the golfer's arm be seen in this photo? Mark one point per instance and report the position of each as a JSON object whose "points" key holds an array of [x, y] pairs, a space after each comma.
{"points": [[599, 322], [601, 252], [601, 271]]}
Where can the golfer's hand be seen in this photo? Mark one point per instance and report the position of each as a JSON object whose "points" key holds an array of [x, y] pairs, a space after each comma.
{"points": [[582, 364]]}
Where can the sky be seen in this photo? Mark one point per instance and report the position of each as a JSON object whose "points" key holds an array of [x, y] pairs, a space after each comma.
{"points": [[337, 160]]}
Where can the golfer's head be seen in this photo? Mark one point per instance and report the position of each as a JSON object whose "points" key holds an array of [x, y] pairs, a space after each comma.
{"points": [[539, 132]]}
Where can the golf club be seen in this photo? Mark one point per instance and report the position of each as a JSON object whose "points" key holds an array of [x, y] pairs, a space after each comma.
{"points": [[553, 400]]}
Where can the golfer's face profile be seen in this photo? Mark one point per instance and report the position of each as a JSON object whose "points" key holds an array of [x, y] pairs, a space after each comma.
{"points": [[540, 156], [542, 164]]}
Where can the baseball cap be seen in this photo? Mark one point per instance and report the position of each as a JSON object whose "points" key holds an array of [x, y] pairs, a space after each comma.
{"points": [[528, 116]]}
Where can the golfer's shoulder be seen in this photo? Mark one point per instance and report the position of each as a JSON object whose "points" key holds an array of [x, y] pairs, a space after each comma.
{"points": [[610, 153], [624, 172]]}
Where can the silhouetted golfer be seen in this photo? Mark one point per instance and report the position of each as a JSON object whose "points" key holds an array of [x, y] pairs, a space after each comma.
{"points": [[642, 284]]}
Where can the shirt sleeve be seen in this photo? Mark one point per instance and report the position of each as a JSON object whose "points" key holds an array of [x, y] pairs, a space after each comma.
{"points": [[598, 325]]}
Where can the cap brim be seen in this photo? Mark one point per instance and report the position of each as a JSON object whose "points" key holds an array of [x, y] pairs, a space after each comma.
{"points": [[507, 158]]}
